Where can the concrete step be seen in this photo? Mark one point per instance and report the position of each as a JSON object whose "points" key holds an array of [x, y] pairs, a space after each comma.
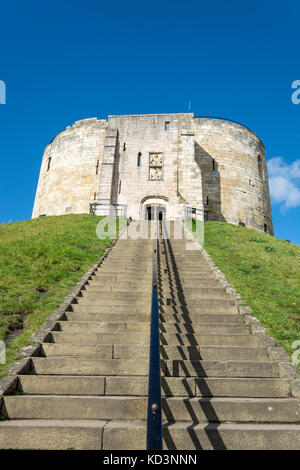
{"points": [[196, 368], [196, 339], [79, 337], [126, 269], [76, 407], [100, 351], [267, 410], [106, 308], [118, 295], [113, 300], [186, 268], [201, 307], [184, 298], [61, 385], [38, 434], [109, 283], [230, 436], [204, 328], [225, 387], [191, 291], [113, 289], [88, 366], [109, 317], [263, 410], [138, 386], [201, 302], [200, 318], [222, 353], [110, 327]]}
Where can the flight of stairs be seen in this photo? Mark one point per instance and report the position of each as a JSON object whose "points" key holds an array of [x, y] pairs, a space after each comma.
{"points": [[222, 389], [89, 390], [92, 382]]}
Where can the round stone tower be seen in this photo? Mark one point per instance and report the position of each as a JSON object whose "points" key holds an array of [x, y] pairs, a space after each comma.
{"points": [[173, 160], [70, 169], [234, 173]]}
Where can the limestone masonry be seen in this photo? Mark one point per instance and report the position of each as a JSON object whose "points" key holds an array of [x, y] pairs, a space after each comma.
{"points": [[158, 163]]}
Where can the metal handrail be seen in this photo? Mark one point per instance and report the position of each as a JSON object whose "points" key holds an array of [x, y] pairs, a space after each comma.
{"points": [[154, 418], [118, 210]]}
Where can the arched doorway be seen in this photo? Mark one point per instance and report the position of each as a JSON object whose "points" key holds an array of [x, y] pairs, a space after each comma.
{"points": [[155, 211], [154, 207]]}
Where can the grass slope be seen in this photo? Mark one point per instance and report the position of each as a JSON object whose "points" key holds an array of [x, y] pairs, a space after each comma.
{"points": [[265, 271], [40, 260]]}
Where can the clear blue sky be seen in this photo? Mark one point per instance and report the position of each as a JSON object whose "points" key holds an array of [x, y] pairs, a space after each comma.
{"points": [[67, 60]]}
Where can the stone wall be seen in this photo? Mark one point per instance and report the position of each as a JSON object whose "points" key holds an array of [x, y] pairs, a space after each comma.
{"points": [[71, 183], [234, 188], [213, 162], [146, 134]]}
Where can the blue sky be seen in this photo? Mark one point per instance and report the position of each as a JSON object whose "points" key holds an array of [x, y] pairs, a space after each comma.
{"points": [[65, 61]]}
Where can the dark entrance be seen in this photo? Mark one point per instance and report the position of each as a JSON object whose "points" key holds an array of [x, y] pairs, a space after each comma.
{"points": [[155, 212]]}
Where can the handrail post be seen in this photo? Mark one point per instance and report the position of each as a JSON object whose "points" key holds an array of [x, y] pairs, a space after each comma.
{"points": [[154, 418]]}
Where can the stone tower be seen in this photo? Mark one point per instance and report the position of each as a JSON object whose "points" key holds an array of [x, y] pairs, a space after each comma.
{"points": [[165, 160]]}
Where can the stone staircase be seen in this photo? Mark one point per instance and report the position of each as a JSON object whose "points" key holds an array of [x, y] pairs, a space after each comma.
{"points": [[89, 388], [91, 382], [222, 390]]}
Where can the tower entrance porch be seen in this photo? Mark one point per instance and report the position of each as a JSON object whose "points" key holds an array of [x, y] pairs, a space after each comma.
{"points": [[155, 212]]}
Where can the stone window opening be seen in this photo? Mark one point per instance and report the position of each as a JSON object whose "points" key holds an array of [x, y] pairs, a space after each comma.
{"points": [[265, 228], [139, 159], [213, 167], [49, 163], [207, 200], [95, 195], [260, 167], [120, 184], [97, 167], [124, 146], [167, 125]]}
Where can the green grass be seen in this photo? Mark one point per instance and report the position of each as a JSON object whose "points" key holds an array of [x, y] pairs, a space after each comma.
{"points": [[265, 271], [40, 260]]}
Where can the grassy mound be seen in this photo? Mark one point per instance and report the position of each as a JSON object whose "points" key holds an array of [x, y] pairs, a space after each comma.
{"points": [[265, 271], [40, 260]]}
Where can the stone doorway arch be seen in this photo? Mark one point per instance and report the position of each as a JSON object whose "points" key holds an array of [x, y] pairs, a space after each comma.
{"points": [[154, 207]]}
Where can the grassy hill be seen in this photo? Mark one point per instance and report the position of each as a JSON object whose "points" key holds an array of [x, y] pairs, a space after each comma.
{"points": [[40, 260], [265, 271]]}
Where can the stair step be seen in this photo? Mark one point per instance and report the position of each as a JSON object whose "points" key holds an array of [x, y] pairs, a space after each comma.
{"points": [[98, 326], [128, 337], [111, 301], [231, 436], [115, 289], [138, 386], [267, 410], [61, 385], [135, 408], [76, 407], [196, 339], [99, 351], [107, 308], [38, 434], [201, 318], [88, 366], [226, 387], [214, 353], [120, 435], [166, 290], [108, 317], [204, 328], [200, 307], [196, 368]]}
